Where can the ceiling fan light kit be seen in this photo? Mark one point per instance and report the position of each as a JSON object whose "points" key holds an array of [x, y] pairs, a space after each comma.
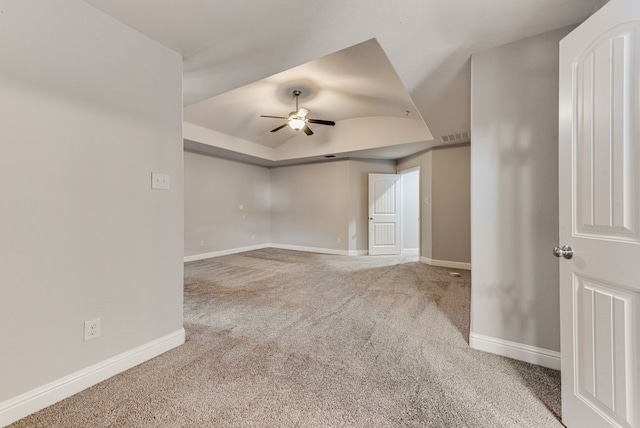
{"points": [[297, 123], [297, 119]]}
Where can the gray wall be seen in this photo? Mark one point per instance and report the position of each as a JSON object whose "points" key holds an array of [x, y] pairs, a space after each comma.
{"points": [[444, 202], [451, 204], [89, 108], [321, 205], [309, 205], [358, 199], [226, 204], [515, 191]]}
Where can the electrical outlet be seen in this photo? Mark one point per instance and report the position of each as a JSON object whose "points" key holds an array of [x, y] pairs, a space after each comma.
{"points": [[92, 329], [159, 181]]}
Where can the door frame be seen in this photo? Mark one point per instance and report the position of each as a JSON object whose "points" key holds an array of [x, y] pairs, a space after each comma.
{"points": [[402, 207]]}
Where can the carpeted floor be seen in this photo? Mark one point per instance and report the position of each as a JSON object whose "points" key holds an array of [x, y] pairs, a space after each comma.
{"points": [[279, 338]]}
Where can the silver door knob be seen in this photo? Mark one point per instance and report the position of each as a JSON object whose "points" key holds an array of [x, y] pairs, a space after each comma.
{"points": [[566, 252]]}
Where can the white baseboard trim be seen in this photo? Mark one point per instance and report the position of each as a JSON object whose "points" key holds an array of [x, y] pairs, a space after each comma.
{"points": [[23, 405], [518, 351], [203, 256], [311, 249], [445, 263], [358, 252], [411, 252]]}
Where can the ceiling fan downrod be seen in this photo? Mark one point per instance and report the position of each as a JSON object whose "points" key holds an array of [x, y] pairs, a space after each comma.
{"points": [[296, 93]]}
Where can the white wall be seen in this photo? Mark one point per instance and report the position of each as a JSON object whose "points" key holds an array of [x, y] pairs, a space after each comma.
{"points": [[444, 100], [89, 108], [515, 192], [226, 204], [410, 182]]}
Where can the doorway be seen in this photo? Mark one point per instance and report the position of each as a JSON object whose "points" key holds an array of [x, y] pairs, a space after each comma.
{"points": [[410, 211], [394, 213]]}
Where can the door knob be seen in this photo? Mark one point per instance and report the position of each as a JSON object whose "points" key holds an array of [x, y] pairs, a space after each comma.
{"points": [[566, 252]]}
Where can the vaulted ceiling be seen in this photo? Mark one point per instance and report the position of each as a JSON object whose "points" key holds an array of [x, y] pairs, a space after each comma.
{"points": [[230, 47]]}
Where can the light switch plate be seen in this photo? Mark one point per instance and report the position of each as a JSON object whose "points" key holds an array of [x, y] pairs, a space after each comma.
{"points": [[159, 181]]}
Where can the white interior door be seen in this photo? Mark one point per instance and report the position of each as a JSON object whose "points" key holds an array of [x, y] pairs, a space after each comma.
{"points": [[384, 214], [599, 181]]}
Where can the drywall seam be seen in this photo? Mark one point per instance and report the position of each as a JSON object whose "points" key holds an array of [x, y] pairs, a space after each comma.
{"points": [[23, 405], [530, 354]]}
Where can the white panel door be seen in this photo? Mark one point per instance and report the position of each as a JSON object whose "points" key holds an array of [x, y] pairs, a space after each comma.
{"points": [[599, 181], [384, 214]]}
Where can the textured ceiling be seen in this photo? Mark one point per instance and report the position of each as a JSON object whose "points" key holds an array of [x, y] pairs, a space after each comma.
{"points": [[227, 45]]}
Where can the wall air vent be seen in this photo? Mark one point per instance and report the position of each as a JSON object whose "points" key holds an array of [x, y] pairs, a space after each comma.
{"points": [[457, 137]]}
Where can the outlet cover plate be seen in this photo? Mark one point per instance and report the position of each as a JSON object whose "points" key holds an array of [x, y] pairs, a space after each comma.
{"points": [[159, 181], [91, 329]]}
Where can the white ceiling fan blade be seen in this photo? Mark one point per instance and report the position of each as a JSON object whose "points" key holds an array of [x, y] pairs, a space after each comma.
{"points": [[302, 112]]}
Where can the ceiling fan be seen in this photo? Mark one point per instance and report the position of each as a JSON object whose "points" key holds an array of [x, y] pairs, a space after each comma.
{"points": [[298, 120]]}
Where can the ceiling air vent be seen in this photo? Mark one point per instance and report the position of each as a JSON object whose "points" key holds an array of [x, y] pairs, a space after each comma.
{"points": [[457, 137]]}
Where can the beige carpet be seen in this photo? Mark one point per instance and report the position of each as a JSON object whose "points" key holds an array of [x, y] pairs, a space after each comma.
{"points": [[289, 339]]}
